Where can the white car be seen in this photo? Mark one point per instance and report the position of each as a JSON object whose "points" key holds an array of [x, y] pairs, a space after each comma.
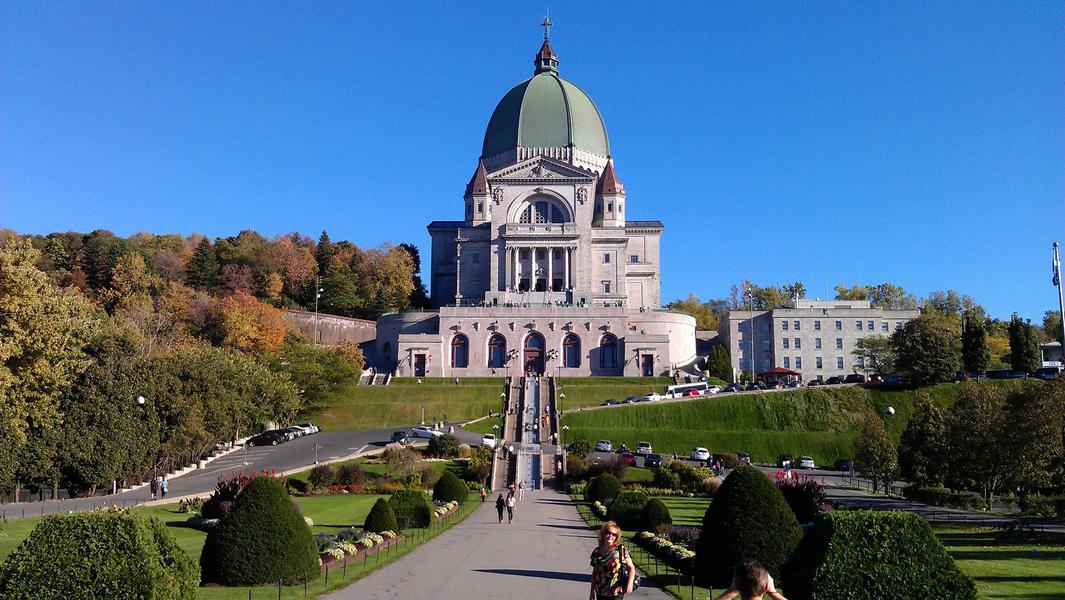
{"points": [[488, 440], [308, 428], [714, 389], [604, 446], [424, 431], [700, 454], [643, 448], [806, 462], [652, 396]]}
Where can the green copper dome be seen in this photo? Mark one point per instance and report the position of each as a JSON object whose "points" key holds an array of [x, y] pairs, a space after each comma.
{"points": [[545, 111]]}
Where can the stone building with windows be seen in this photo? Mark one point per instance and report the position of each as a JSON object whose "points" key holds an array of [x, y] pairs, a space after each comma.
{"points": [[815, 338], [544, 273]]}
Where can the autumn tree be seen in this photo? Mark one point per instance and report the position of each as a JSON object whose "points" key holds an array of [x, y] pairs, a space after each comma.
{"points": [[924, 448], [874, 453], [877, 352], [979, 452], [1036, 416], [887, 296], [707, 315], [925, 350], [249, 325]]}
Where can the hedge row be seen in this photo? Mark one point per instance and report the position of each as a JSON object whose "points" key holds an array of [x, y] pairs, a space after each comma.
{"points": [[938, 496]]}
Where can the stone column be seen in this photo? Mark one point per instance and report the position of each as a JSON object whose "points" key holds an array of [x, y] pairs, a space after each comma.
{"points": [[565, 277], [550, 267], [458, 271]]}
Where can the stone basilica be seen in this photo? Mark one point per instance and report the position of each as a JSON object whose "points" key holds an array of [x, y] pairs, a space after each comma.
{"points": [[544, 274]]}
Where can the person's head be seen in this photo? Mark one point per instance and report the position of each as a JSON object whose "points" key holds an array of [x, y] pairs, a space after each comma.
{"points": [[609, 534], [500, 495], [751, 579]]}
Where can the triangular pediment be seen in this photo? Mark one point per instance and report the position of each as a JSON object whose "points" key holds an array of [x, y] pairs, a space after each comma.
{"points": [[541, 169]]}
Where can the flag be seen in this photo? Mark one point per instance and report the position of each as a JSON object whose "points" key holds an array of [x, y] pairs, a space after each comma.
{"points": [[1057, 272]]}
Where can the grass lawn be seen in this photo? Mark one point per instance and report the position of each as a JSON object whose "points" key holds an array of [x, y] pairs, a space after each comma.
{"points": [[1032, 569], [592, 391], [638, 474], [458, 467]]}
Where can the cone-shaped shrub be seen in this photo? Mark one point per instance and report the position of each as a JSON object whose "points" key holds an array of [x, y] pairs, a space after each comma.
{"points": [[381, 518], [99, 555], [449, 487], [870, 555], [656, 516], [413, 506], [263, 539], [603, 487], [748, 519], [627, 509]]}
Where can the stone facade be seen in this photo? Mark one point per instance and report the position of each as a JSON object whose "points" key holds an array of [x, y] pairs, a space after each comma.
{"points": [[815, 338], [544, 273], [331, 329]]}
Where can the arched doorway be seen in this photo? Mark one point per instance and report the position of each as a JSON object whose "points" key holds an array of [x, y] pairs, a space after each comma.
{"points": [[497, 351], [571, 351], [608, 352], [460, 352], [534, 354]]}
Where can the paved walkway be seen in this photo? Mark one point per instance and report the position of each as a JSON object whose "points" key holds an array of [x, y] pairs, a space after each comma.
{"points": [[543, 554]]}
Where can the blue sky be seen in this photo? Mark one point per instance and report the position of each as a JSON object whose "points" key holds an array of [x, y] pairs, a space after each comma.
{"points": [[916, 143]]}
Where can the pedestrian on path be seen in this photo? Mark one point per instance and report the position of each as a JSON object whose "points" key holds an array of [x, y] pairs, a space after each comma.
{"points": [[154, 486], [521, 490], [164, 486], [609, 560], [510, 508], [500, 505], [751, 582], [484, 493]]}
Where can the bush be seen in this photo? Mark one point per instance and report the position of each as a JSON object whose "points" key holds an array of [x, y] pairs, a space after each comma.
{"points": [[350, 475], [322, 476], [449, 487], [656, 516], [804, 495], [263, 539], [412, 506], [627, 509], [873, 554], [604, 488], [99, 555], [580, 448], [1044, 506], [748, 520], [381, 518], [443, 446], [224, 497], [666, 478], [939, 496]]}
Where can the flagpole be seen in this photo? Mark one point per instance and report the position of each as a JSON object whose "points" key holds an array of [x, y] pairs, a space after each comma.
{"points": [[1061, 303]]}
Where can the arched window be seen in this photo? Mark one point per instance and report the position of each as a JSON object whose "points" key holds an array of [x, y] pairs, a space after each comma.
{"points": [[460, 352], [497, 351], [534, 354], [608, 352], [541, 210], [571, 351]]}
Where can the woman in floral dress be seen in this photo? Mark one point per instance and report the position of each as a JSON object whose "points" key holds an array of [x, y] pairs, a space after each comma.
{"points": [[607, 561]]}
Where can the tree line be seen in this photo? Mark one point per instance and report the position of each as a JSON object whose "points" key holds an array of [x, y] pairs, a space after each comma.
{"points": [[91, 323]]}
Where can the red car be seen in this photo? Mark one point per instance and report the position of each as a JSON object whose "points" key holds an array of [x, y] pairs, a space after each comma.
{"points": [[628, 458], [688, 393]]}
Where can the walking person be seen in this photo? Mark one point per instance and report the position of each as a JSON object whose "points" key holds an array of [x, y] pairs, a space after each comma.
{"points": [[521, 490], [484, 493], [500, 505], [751, 581], [610, 560], [154, 487], [510, 508], [164, 487]]}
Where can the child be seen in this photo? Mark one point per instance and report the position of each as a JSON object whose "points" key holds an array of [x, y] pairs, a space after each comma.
{"points": [[751, 582]]}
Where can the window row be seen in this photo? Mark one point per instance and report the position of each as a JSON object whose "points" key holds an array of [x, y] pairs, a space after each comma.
{"points": [[496, 356], [859, 325]]}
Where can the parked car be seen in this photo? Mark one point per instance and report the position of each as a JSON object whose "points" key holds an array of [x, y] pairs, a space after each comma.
{"points": [[424, 431], [399, 437], [894, 378], [732, 387], [814, 383], [805, 462], [653, 461], [488, 440], [794, 383], [628, 458], [754, 387], [714, 389], [777, 385], [272, 437], [292, 432], [604, 446], [611, 402], [700, 454], [652, 396], [690, 393], [309, 428], [844, 464], [643, 448], [854, 378], [876, 378], [834, 380], [744, 457], [630, 400]]}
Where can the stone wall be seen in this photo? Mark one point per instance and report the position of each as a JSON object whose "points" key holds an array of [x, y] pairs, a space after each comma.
{"points": [[332, 329]]}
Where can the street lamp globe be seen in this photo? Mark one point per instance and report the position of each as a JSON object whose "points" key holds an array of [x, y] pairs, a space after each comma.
{"points": [[889, 410], [140, 400]]}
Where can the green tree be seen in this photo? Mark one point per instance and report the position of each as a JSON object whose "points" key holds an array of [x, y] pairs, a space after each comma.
{"points": [[202, 270], [924, 448], [719, 364], [874, 453], [877, 352], [706, 319], [419, 297], [975, 353], [1036, 416], [1024, 345], [1052, 326], [980, 458], [323, 253], [925, 350]]}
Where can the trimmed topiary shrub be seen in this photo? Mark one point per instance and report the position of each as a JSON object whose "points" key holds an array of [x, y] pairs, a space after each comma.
{"points": [[443, 446], [603, 487], [99, 555], [322, 476], [656, 516], [449, 487], [627, 509], [413, 506], [381, 518], [872, 554], [747, 520], [262, 540]]}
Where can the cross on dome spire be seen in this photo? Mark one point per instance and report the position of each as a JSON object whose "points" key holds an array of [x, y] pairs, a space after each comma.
{"points": [[545, 59], [546, 24]]}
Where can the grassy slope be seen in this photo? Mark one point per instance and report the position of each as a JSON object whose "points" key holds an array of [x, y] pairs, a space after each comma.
{"points": [[592, 391], [370, 407], [818, 422]]}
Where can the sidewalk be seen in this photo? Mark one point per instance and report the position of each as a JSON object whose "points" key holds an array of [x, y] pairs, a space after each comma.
{"points": [[543, 554]]}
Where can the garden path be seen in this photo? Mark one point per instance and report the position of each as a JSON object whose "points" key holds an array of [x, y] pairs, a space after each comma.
{"points": [[543, 554]]}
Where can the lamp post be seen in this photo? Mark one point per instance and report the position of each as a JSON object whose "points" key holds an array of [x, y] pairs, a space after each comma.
{"points": [[318, 289], [561, 444]]}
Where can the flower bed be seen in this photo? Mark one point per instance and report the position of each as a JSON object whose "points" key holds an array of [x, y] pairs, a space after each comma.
{"points": [[352, 543], [677, 556], [442, 509]]}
